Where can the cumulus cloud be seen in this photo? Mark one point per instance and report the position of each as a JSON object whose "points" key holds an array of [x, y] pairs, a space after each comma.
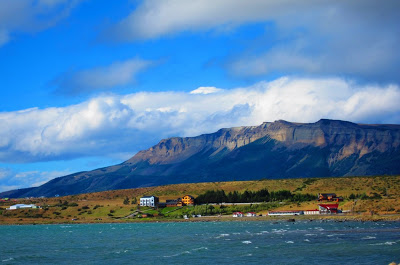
{"points": [[357, 38], [113, 124], [100, 78], [11, 179], [30, 16]]}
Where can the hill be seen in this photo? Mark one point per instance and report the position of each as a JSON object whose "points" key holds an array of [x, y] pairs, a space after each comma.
{"points": [[273, 150], [382, 194]]}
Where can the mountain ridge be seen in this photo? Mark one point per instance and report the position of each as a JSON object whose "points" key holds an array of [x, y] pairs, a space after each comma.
{"points": [[277, 149]]}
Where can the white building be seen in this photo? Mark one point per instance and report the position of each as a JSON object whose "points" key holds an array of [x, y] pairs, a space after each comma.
{"points": [[150, 201], [272, 213], [237, 214], [22, 206], [311, 212], [251, 214]]}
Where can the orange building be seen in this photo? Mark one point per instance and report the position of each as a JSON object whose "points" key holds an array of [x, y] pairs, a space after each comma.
{"points": [[188, 200], [329, 197]]}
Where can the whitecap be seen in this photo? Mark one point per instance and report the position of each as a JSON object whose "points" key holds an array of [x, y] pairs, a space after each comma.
{"points": [[9, 259], [307, 240], [279, 230], [200, 248], [178, 254], [222, 235], [310, 235], [265, 232], [289, 242], [386, 243], [246, 242], [369, 237]]}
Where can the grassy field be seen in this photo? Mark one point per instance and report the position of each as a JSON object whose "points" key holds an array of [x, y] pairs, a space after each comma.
{"points": [[108, 206]]}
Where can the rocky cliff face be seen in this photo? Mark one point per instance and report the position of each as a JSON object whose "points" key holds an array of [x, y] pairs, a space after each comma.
{"points": [[350, 138], [272, 150]]}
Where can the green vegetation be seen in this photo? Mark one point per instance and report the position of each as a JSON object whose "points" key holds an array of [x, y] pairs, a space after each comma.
{"points": [[219, 196]]}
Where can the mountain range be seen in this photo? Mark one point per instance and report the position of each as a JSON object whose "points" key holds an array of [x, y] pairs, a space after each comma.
{"points": [[272, 150]]}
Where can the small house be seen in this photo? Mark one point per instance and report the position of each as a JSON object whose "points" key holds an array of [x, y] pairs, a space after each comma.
{"points": [[328, 208], [329, 197], [174, 203], [251, 214], [150, 201], [237, 214]]}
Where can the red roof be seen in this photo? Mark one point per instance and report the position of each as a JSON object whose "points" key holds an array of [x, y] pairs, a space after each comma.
{"points": [[329, 206]]}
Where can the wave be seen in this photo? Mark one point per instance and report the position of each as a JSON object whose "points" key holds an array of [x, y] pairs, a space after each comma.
{"points": [[178, 254], [200, 248], [369, 237], [389, 243]]}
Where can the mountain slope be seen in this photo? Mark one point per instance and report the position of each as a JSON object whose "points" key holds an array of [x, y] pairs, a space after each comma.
{"points": [[272, 150]]}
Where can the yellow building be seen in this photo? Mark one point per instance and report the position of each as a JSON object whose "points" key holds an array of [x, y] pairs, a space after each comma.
{"points": [[188, 200]]}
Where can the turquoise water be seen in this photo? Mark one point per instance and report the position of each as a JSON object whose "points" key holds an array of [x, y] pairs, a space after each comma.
{"points": [[203, 243]]}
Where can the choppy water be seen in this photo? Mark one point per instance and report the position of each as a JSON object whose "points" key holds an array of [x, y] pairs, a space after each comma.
{"points": [[203, 243]]}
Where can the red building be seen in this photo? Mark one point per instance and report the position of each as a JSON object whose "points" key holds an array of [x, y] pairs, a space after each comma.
{"points": [[328, 208]]}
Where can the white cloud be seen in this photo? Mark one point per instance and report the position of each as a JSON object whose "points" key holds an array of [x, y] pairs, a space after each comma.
{"points": [[113, 125], [154, 18], [205, 90], [358, 38], [30, 16], [100, 78]]}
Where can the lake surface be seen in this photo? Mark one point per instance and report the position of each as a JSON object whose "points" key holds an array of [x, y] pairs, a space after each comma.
{"points": [[302, 242]]}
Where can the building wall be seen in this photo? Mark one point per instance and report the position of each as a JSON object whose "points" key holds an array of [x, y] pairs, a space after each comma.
{"points": [[187, 200], [150, 202]]}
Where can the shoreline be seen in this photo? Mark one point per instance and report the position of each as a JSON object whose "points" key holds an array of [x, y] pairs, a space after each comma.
{"points": [[310, 218]]}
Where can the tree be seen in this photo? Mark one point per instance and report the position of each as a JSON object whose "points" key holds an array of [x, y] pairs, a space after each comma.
{"points": [[126, 201]]}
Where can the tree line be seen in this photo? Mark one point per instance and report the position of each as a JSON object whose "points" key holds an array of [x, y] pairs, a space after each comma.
{"points": [[219, 196]]}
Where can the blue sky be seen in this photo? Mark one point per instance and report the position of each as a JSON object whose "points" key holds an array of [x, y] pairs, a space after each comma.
{"points": [[86, 84]]}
